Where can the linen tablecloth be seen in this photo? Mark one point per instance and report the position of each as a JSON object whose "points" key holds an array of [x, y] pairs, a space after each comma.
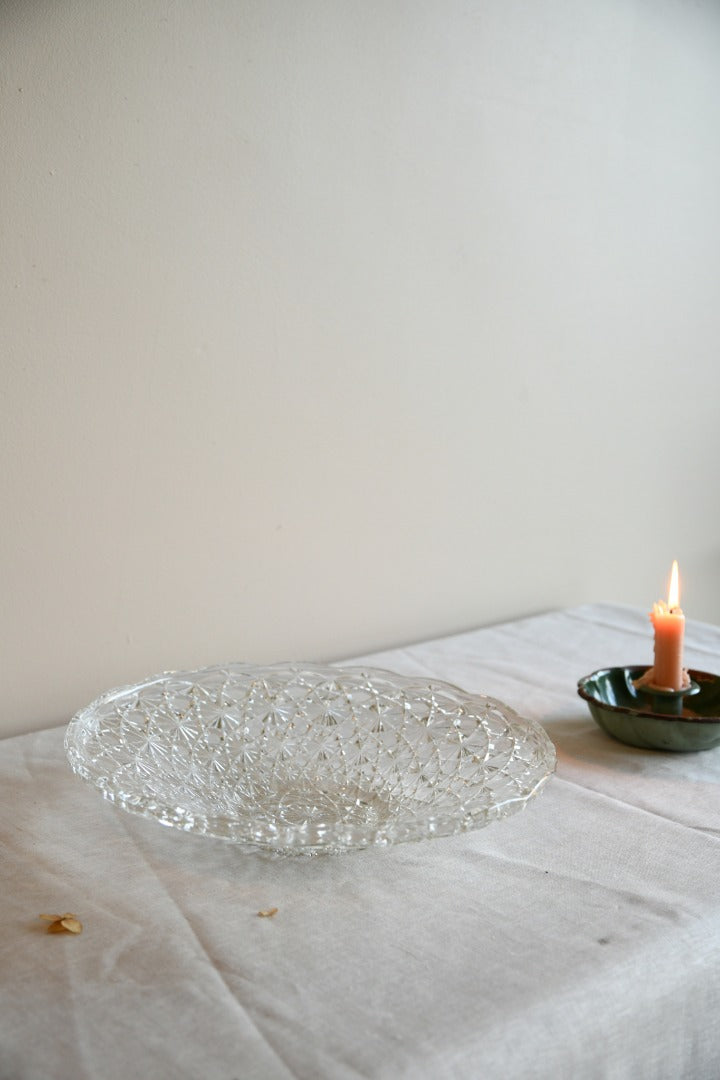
{"points": [[580, 938]]}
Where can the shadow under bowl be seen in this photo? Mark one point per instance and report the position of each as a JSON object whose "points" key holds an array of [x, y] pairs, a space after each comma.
{"points": [[625, 712]]}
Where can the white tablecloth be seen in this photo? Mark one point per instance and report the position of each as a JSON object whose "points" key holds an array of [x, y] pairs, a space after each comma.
{"points": [[578, 939]]}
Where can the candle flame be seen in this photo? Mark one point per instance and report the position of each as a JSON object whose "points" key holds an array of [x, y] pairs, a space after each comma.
{"points": [[674, 590]]}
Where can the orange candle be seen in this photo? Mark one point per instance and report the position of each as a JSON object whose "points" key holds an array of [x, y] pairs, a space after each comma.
{"points": [[669, 623]]}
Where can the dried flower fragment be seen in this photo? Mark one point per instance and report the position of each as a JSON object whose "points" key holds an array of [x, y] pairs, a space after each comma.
{"points": [[59, 924], [268, 914]]}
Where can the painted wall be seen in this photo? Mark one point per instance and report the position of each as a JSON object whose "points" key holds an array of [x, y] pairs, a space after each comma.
{"points": [[334, 324]]}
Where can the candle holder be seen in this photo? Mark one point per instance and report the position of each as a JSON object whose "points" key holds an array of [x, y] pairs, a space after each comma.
{"points": [[660, 699], [652, 718]]}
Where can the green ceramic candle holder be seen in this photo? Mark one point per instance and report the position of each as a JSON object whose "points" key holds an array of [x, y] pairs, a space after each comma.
{"points": [[683, 720]]}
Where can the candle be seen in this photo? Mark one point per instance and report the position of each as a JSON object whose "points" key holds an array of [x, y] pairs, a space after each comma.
{"points": [[669, 623]]}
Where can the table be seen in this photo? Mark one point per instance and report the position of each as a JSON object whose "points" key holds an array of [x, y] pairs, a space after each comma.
{"points": [[580, 938]]}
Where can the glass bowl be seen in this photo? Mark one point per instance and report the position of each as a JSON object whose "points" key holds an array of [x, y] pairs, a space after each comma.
{"points": [[306, 758]]}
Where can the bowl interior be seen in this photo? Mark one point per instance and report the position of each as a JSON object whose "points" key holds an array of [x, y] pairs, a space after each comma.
{"points": [[614, 687]]}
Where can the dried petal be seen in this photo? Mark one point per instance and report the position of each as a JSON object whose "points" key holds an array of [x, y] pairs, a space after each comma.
{"points": [[268, 914], [59, 924], [73, 925]]}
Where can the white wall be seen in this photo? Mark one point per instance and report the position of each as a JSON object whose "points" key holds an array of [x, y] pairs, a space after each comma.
{"points": [[330, 325]]}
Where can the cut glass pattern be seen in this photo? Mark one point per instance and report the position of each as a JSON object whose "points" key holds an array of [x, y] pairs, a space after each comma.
{"points": [[305, 758]]}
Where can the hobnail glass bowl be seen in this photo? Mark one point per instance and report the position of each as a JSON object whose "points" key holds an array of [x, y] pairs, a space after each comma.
{"points": [[306, 758]]}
